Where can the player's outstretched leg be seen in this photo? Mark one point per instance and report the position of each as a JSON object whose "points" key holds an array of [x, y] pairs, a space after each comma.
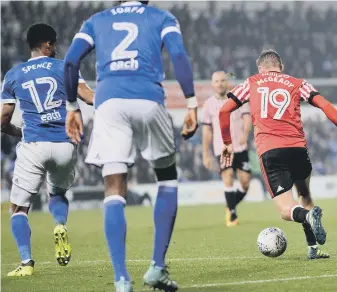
{"points": [[21, 232], [115, 223], [291, 211], [58, 207], [164, 216]]}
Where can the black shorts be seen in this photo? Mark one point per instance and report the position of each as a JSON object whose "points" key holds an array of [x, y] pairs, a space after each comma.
{"points": [[282, 167], [240, 161]]}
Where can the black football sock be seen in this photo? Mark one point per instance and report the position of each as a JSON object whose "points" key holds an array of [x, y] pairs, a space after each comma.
{"points": [[299, 214], [310, 237], [231, 203], [240, 196]]}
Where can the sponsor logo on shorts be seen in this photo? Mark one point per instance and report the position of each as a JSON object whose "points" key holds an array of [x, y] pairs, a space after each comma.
{"points": [[245, 166], [279, 189]]}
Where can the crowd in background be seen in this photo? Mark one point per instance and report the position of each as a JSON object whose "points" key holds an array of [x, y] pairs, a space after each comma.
{"points": [[189, 157], [230, 39]]}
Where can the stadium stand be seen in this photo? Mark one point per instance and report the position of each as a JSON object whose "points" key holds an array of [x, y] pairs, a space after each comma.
{"points": [[232, 39]]}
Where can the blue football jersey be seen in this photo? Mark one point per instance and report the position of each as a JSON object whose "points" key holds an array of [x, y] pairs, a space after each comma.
{"points": [[39, 87], [128, 40]]}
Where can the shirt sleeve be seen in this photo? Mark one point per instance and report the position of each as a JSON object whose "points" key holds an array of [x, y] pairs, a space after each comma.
{"points": [[7, 92], [206, 117], [240, 93], [307, 91], [87, 32], [170, 24]]}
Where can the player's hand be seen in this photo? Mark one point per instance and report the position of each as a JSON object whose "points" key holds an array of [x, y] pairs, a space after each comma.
{"points": [[74, 126], [243, 140], [227, 155], [207, 161], [190, 123]]}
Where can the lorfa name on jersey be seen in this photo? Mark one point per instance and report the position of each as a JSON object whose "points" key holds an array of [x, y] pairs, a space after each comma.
{"points": [[128, 9]]}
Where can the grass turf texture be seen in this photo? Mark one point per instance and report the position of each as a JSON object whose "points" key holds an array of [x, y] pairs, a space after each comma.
{"points": [[204, 255]]}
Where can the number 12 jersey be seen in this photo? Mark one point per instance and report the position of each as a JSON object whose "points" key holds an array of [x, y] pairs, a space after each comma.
{"points": [[38, 85], [275, 108]]}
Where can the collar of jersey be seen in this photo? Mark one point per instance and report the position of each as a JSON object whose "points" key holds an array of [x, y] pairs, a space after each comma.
{"points": [[39, 57], [131, 3]]}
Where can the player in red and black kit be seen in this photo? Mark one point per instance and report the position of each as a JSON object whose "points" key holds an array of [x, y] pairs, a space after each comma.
{"points": [[280, 141]]}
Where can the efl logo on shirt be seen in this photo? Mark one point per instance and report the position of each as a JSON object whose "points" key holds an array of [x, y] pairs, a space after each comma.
{"points": [[51, 117]]}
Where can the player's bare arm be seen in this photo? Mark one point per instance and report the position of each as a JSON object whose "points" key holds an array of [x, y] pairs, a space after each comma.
{"points": [[6, 117], [85, 93], [207, 136], [224, 116], [247, 126]]}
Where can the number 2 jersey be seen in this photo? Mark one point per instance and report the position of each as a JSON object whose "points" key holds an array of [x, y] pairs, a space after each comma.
{"points": [[128, 40], [39, 87], [275, 108]]}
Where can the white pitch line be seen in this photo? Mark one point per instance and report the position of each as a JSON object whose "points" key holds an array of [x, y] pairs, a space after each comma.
{"points": [[254, 282], [148, 260]]}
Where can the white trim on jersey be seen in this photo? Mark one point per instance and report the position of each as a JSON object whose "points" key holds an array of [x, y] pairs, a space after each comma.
{"points": [[169, 29], [81, 81], [35, 58], [8, 100], [86, 37], [131, 3]]}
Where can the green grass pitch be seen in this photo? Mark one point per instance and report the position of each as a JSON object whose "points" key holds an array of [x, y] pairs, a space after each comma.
{"points": [[204, 255]]}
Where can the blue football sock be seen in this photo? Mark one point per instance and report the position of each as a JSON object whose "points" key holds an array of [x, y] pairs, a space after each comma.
{"points": [[58, 207], [21, 233], [115, 234], [164, 216]]}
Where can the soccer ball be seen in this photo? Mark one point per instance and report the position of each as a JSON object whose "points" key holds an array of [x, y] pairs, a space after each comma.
{"points": [[272, 242]]}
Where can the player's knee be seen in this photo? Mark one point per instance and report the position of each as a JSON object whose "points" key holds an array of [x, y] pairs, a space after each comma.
{"points": [[244, 185], [168, 173], [227, 177], [115, 179], [20, 197]]}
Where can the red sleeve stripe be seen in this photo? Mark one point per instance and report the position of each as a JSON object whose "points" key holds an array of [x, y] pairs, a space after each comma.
{"points": [[242, 91], [244, 95], [304, 93]]}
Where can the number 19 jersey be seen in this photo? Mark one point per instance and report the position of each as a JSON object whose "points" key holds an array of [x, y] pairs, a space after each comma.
{"points": [[39, 87], [128, 40], [275, 108]]}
